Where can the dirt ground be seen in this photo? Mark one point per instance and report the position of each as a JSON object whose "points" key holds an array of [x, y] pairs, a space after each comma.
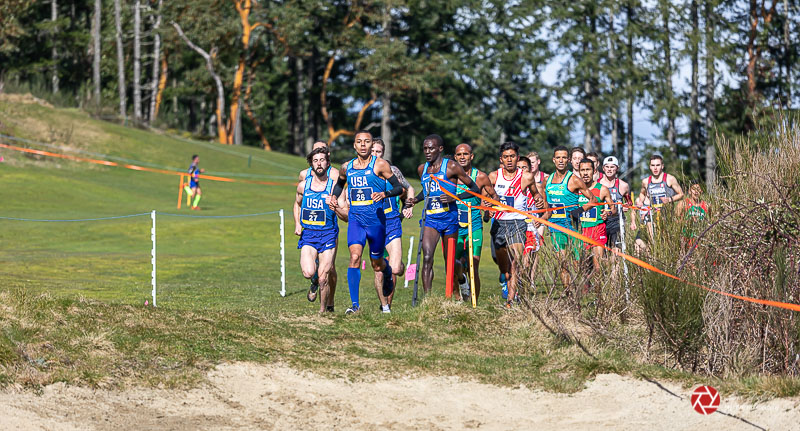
{"points": [[266, 397]]}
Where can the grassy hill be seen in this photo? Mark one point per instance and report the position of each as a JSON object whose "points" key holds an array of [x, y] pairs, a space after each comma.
{"points": [[72, 294], [215, 262]]}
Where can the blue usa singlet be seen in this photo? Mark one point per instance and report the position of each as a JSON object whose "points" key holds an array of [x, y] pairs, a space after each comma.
{"points": [[362, 183], [390, 205], [315, 214], [434, 208], [559, 195]]}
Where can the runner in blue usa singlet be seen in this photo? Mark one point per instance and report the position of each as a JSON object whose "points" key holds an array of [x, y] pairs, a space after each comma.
{"points": [[320, 227], [439, 215], [367, 218]]}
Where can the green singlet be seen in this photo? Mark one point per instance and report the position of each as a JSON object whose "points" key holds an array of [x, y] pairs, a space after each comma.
{"points": [[463, 223], [591, 218]]}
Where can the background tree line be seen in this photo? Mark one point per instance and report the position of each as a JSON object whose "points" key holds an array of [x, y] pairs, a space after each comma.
{"points": [[281, 74]]}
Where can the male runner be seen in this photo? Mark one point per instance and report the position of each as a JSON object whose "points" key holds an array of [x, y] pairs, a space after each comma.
{"points": [[595, 158], [194, 193], [619, 194], [593, 220], [394, 216], [576, 154], [540, 177], [319, 144], [316, 225], [694, 210], [464, 158], [533, 241], [562, 190], [365, 177], [660, 187], [333, 276], [441, 211], [511, 185]]}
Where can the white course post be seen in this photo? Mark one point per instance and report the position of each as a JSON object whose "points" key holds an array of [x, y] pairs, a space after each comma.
{"points": [[153, 255], [283, 258], [410, 246]]}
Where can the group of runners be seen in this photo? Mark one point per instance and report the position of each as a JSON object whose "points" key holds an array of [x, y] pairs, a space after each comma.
{"points": [[373, 197]]}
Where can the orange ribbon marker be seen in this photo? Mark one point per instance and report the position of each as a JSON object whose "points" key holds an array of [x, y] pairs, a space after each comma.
{"points": [[635, 261], [135, 167]]}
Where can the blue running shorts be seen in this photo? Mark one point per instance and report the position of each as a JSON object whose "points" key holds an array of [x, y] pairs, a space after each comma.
{"points": [[321, 240], [445, 223], [374, 234], [394, 229]]}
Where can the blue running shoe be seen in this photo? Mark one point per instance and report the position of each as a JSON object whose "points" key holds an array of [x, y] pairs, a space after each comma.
{"points": [[504, 285]]}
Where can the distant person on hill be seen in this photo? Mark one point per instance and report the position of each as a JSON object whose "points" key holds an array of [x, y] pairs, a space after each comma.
{"points": [[194, 192]]}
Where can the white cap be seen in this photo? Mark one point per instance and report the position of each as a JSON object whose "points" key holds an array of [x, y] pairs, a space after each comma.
{"points": [[611, 160]]}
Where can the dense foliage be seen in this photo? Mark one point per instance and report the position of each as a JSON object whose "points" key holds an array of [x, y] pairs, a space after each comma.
{"points": [[291, 72]]}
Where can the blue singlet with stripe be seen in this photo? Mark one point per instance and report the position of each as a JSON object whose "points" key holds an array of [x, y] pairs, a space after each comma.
{"points": [[362, 183], [434, 207], [559, 195], [390, 205], [315, 214]]}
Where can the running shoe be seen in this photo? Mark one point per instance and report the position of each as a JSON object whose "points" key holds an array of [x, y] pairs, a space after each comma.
{"points": [[312, 291], [352, 310], [386, 310], [504, 285], [329, 308], [465, 291]]}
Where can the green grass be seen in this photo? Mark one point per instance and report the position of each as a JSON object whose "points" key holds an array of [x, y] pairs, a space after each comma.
{"points": [[72, 294]]}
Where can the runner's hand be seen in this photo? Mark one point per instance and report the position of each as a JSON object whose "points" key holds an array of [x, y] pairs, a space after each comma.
{"points": [[408, 212], [378, 196], [410, 202], [446, 199], [298, 229], [333, 202], [539, 202]]}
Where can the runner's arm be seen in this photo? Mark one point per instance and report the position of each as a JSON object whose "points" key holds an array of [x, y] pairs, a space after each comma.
{"points": [[455, 173], [298, 200], [576, 185], [487, 189], [673, 182], [343, 208], [341, 181]]}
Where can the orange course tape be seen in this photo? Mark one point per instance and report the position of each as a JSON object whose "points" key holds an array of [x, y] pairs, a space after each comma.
{"points": [[635, 261], [135, 167]]}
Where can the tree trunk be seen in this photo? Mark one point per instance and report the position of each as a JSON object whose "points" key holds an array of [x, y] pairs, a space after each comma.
{"points": [[137, 64], [222, 133], [155, 86], [630, 91], [386, 98], [665, 14], [120, 62], [711, 153], [694, 119], [386, 126], [54, 50], [587, 116], [787, 54], [98, 6], [174, 96], [299, 123], [612, 57]]}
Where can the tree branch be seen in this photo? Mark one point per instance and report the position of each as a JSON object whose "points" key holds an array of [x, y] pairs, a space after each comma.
{"points": [[220, 89]]}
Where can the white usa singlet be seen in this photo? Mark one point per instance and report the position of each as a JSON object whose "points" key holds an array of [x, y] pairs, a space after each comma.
{"points": [[510, 193]]}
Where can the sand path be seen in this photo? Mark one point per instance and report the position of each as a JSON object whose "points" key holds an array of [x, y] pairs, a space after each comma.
{"points": [[248, 396]]}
